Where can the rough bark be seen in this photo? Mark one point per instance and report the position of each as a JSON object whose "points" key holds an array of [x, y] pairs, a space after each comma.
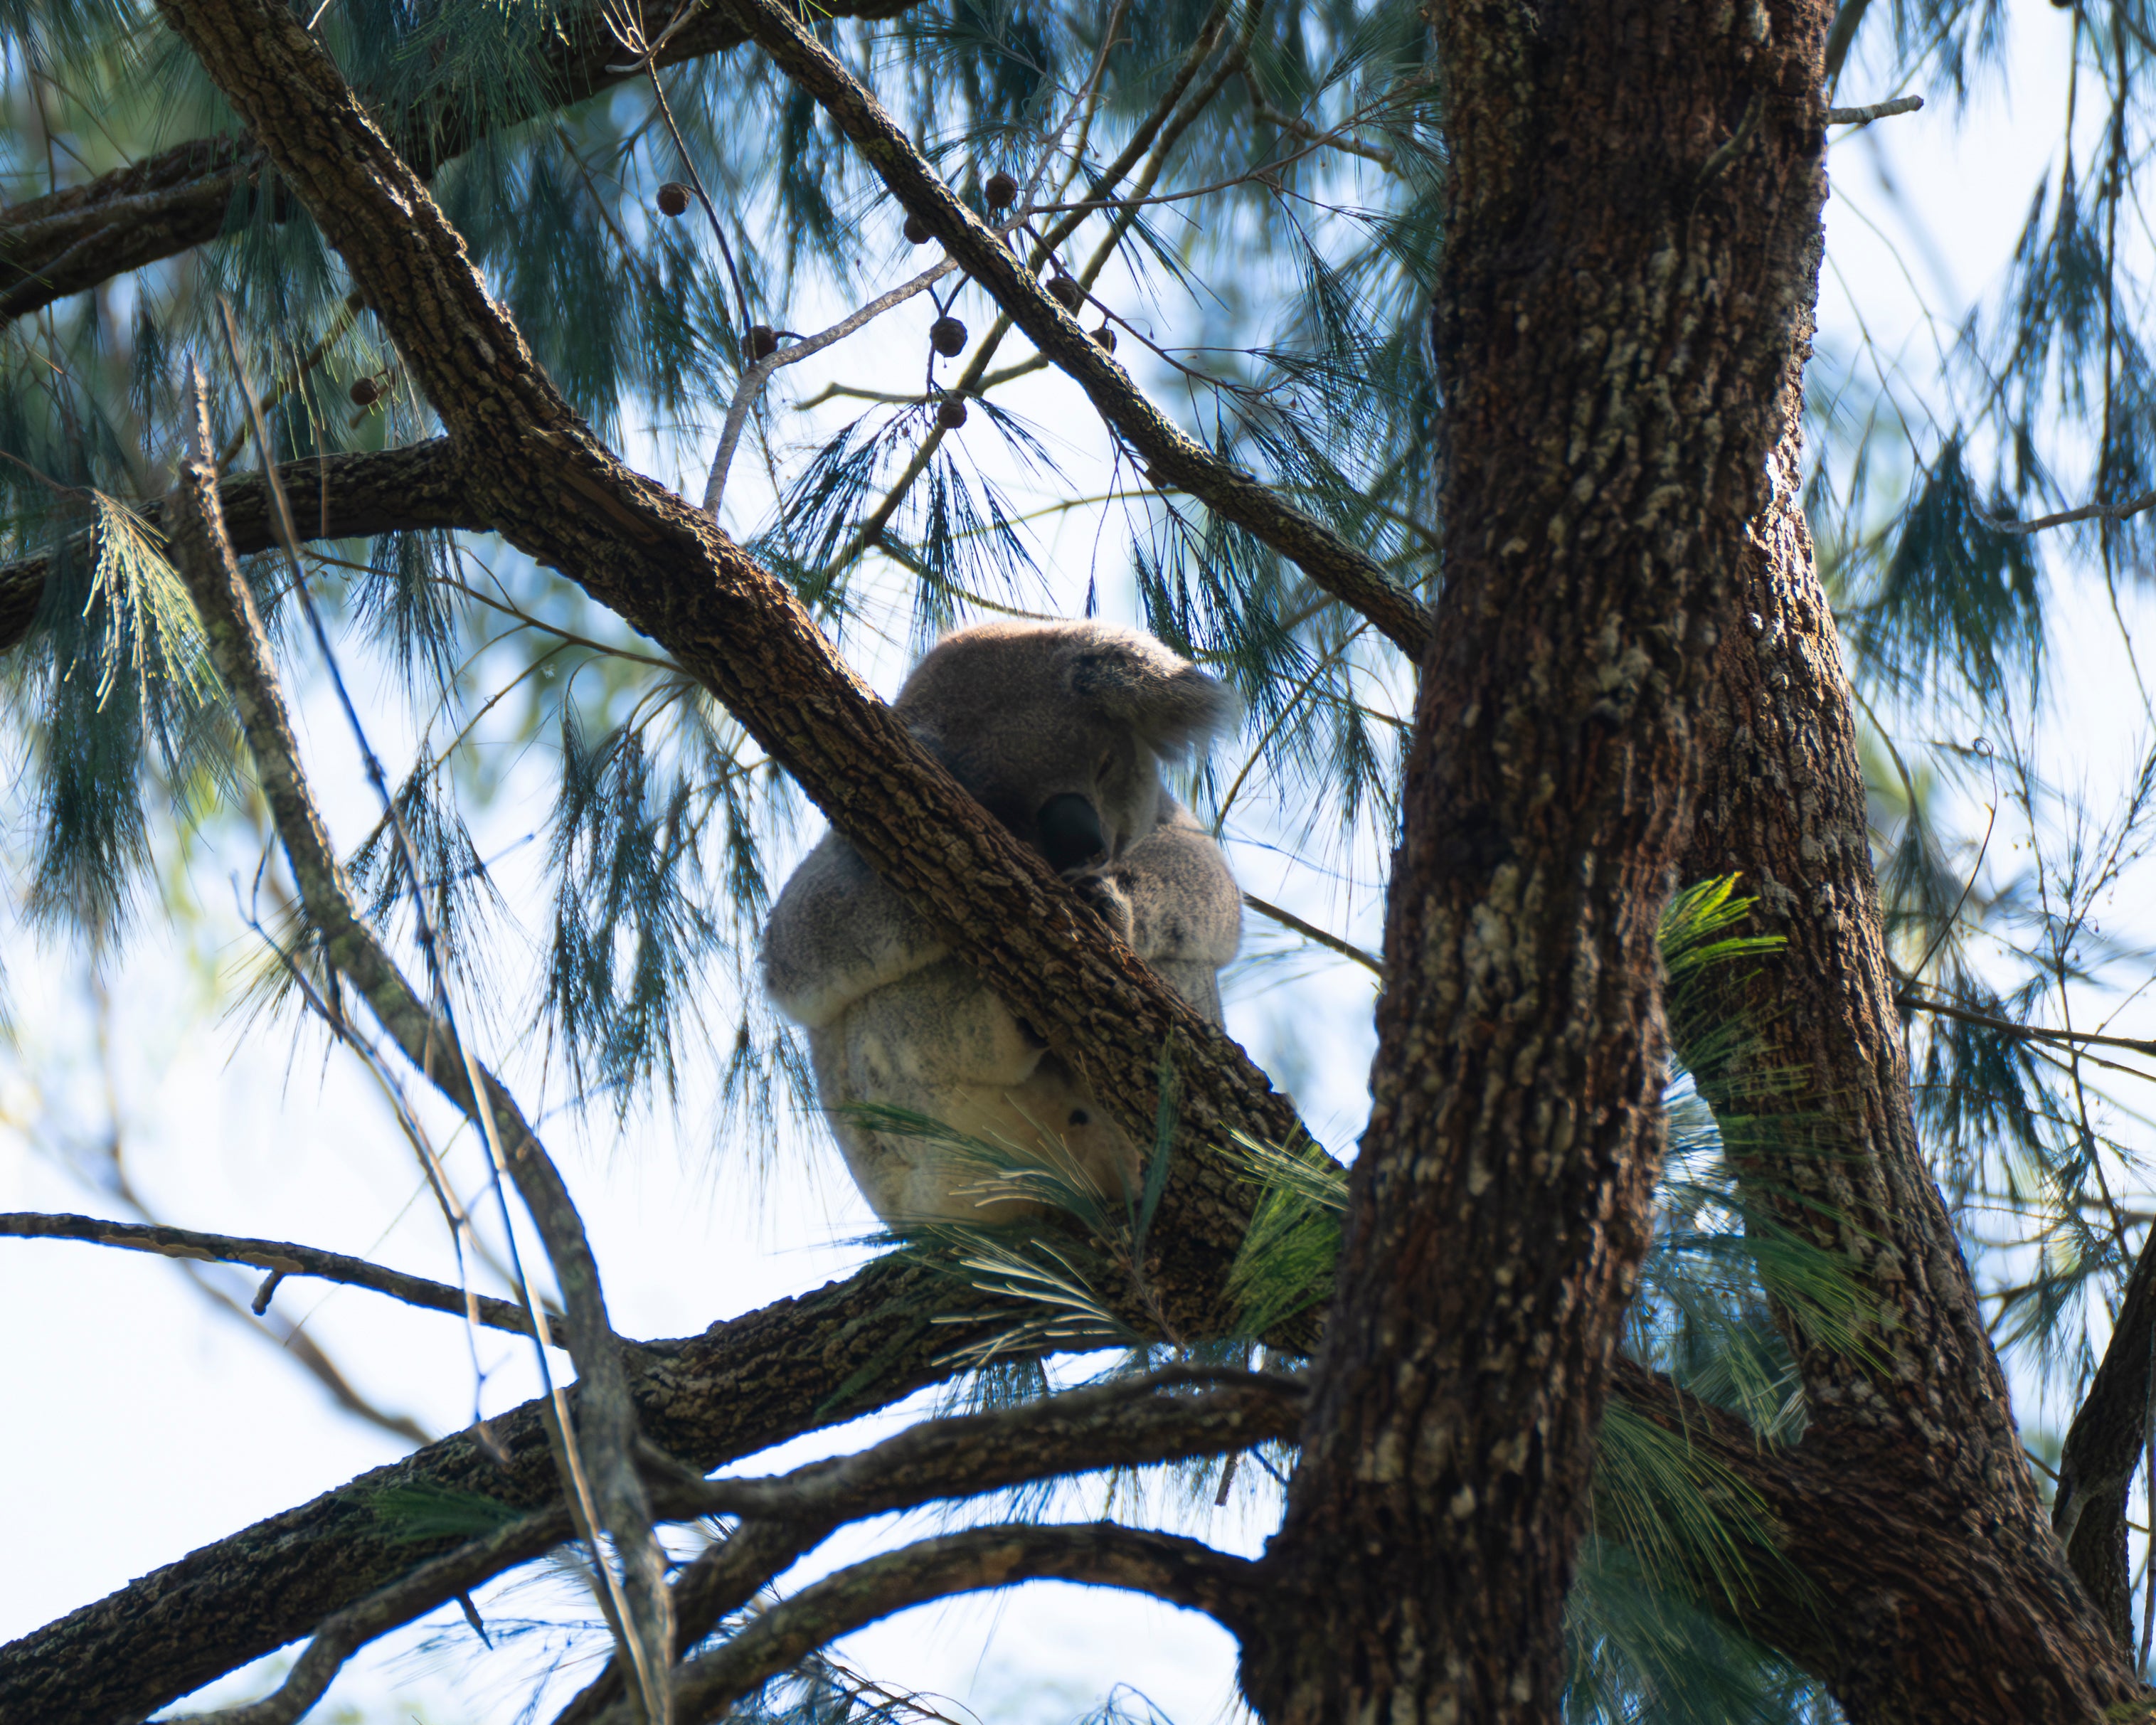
{"points": [[71, 240], [706, 1401], [537, 474], [1183, 1571], [1978, 1617], [332, 497], [2103, 1448], [1633, 208]]}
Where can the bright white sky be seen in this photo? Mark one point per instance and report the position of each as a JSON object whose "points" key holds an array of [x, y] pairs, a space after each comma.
{"points": [[145, 1425]]}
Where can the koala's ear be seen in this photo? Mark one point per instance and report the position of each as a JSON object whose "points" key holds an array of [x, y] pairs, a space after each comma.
{"points": [[1166, 700]]}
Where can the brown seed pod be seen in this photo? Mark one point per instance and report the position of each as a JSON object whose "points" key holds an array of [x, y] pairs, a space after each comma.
{"points": [[916, 231], [948, 336], [1001, 191], [761, 341], [366, 392], [673, 198], [950, 413], [1065, 290], [1105, 336]]}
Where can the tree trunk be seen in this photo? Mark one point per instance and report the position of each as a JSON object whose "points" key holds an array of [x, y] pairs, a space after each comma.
{"points": [[1957, 1603], [1632, 223]]}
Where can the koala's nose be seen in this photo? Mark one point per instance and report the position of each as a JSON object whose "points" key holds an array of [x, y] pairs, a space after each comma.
{"points": [[1071, 835]]}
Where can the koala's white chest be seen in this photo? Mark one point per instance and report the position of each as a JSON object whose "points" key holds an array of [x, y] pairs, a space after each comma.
{"points": [[938, 1045]]}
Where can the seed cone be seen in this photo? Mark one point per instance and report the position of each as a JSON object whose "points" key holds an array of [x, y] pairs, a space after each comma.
{"points": [[948, 336], [673, 198]]}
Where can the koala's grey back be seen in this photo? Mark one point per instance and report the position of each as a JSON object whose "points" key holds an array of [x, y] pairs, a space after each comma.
{"points": [[1058, 729]]}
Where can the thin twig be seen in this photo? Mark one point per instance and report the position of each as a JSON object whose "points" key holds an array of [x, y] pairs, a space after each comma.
{"points": [[757, 375], [2067, 517], [1324, 556], [280, 1256], [2036, 1033], [1877, 111], [1311, 931]]}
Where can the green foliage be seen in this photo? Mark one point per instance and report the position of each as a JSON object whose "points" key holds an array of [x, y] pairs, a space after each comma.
{"points": [[1286, 309], [1676, 1534], [426, 1511]]}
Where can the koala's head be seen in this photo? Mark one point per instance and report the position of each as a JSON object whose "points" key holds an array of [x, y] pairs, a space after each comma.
{"points": [[1058, 728]]}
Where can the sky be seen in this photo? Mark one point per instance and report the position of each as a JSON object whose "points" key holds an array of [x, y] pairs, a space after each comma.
{"points": [[147, 1423]]}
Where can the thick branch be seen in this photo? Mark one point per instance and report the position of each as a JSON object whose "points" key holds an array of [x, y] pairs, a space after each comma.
{"points": [[341, 1636], [1184, 1572], [280, 1257], [2103, 1447], [541, 479], [1343, 570], [1122, 1425], [71, 240], [1815, 1098], [332, 497], [707, 1401], [1115, 1423]]}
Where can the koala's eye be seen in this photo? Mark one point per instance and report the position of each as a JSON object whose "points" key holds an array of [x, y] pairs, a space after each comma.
{"points": [[1070, 834]]}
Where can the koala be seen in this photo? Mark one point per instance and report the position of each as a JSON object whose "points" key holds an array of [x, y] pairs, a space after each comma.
{"points": [[1058, 729]]}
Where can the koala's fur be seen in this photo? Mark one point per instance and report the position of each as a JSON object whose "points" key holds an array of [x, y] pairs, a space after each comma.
{"points": [[1028, 717]]}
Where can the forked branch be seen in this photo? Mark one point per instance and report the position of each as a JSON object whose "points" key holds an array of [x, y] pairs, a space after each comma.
{"points": [[1138, 1422], [1184, 1572]]}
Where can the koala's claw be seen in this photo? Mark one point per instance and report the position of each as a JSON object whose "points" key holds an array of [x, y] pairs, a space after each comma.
{"points": [[1106, 898]]}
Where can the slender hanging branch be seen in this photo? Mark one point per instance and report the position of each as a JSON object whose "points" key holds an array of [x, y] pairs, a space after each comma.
{"points": [[280, 1258], [603, 1485]]}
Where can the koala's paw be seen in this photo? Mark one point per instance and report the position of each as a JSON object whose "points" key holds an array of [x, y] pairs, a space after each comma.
{"points": [[1106, 898]]}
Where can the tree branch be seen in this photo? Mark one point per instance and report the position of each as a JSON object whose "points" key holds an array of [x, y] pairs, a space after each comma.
{"points": [[71, 240], [1311, 931], [1815, 1095], [2103, 1446], [1910, 1002], [790, 1367], [1342, 569], [538, 477], [1132, 1424], [281, 1258], [341, 1636], [332, 497], [2067, 517], [1184, 1572], [1876, 111], [596, 1454]]}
